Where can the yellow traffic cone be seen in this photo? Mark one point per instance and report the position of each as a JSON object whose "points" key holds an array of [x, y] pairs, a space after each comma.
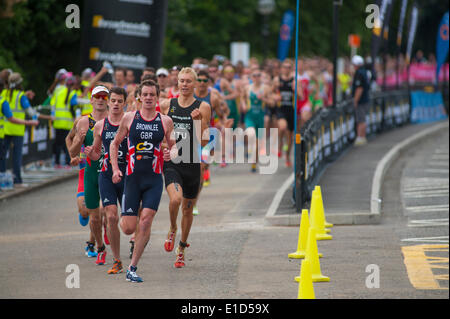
{"points": [[319, 193], [302, 237], [313, 257], [318, 219], [306, 287]]}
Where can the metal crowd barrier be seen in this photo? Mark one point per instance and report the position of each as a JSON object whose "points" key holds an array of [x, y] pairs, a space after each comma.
{"points": [[331, 131]]}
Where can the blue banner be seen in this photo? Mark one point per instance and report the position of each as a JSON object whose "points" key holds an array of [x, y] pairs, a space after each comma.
{"points": [[427, 107], [441, 45], [286, 30]]}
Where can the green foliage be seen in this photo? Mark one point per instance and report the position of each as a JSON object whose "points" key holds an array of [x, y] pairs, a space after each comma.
{"points": [[36, 43]]}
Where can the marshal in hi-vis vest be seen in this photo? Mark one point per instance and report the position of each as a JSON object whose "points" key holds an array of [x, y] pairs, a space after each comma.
{"points": [[17, 111], [63, 116]]}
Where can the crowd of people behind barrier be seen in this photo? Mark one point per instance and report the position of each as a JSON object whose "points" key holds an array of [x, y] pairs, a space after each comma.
{"points": [[258, 95]]}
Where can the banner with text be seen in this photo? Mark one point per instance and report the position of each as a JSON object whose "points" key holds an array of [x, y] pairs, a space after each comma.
{"points": [[126, 33]]}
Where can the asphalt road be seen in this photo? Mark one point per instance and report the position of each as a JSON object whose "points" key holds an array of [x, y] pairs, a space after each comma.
{"points": [[232, 254]]}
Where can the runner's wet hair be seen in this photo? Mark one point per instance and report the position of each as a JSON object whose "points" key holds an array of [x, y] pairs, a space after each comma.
{"points": [[149, 83], [151, 77], [119, 91], [188, 70], [203, 73]]}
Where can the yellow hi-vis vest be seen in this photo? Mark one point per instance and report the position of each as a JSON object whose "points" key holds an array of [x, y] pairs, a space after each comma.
{"points": [[17, 111], [2, 118], [63, 116], [85, 108]]}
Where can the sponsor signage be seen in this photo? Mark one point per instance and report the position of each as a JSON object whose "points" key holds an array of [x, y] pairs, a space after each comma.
{"points": [[126, 33]]}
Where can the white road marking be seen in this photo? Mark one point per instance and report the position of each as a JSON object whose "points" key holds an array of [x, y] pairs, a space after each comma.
{"points": [[428, 222], [429, 208], [439, 239], [436, 171]]}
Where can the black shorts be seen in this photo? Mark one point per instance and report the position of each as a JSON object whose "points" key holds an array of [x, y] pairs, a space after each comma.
{"points": [[271, 111], [110, 193], [287, 113], [186, 175]]}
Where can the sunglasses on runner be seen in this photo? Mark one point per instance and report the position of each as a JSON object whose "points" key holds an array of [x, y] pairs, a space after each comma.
{"points": [[202, 80], [101, 96], [257, 75]]}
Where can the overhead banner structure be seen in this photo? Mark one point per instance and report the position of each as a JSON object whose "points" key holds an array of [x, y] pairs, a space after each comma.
{"points": [[442, 44], [412, 31], [401, 23], [286, 31], [126, 33], [379, 31]]}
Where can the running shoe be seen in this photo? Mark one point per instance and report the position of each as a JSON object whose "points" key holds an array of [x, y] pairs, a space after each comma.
{"points": [[206, 176], [131, 248], [83, 221], [253, 168], [169, 243], [90, 250], [288, 163], [105, 236], [101, 256], [195, 211], [179, 263], [116, 268], [132, 276]]}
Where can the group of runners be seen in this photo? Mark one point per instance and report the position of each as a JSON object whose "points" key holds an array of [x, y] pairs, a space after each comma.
{"points": [[130, 140]]}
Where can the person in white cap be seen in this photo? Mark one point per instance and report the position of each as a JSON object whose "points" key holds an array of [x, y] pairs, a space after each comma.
{"points": [[84, 135], [360, 94], [163, 81]]}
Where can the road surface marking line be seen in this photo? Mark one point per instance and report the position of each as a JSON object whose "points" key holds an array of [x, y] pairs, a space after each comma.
{"points": [[440, 239]]}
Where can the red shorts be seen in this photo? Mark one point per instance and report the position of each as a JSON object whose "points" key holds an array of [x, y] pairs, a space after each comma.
{"points": [[304, 105], [80, 190]]}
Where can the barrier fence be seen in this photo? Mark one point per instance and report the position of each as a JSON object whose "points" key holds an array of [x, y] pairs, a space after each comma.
{"points": [[331, 131]]}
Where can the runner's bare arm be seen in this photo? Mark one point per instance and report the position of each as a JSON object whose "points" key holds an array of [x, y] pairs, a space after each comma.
{"points": [[122, 132], [205, 116], [95, 150], [216, 101], [165, 105], [69, 140], [171, 151], [80, 134]]}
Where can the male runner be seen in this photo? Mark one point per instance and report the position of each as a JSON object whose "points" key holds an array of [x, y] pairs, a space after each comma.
{"points": [[110, 193], [146, 129], [285, 85], [84, 135], [182, 178], [203, 92], [257, 96], [83, 213]]}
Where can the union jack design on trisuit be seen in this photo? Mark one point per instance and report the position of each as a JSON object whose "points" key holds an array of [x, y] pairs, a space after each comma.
{"points": [[157, 163], [130, 159], [105, 162]]}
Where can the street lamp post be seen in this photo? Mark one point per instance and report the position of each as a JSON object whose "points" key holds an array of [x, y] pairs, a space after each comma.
{"points": [[265, 8], [336, 4]]}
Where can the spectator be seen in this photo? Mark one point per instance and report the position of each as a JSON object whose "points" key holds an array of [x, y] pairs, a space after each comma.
{"points": [[360, 94], [14, 133]]}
